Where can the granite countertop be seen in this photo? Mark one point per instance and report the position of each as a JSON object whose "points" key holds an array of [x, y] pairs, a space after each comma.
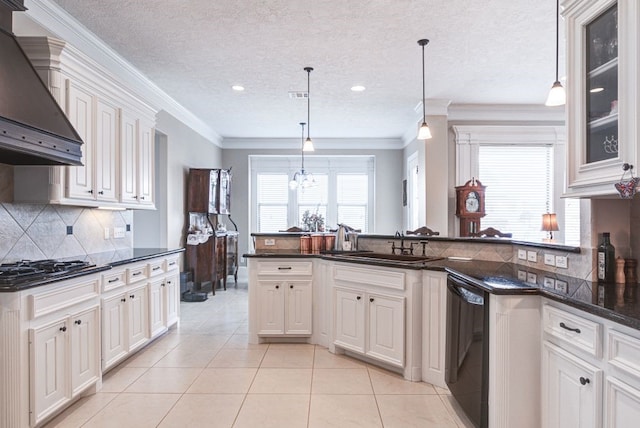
{"points": [[99, 262], [607, 301]]}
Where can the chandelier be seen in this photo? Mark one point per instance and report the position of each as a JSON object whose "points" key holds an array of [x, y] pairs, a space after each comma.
{"points": [[302, 179]]}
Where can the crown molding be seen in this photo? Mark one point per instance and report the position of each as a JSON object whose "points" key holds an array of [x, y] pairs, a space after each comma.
{"points": [[319, 143], [506, 112], [56, 20]]}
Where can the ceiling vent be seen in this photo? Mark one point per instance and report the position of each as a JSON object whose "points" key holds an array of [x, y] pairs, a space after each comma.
{"points": [[298, 95]]}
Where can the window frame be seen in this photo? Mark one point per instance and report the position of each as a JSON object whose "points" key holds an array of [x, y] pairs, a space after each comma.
{"points": [[331, 165]]}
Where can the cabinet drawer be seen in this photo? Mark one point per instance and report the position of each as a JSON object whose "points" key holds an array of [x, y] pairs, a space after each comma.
{"points": [[63, 295], [112, 280], [573, 329], [171, 264], [285, 267], [624, 352], [137, 273], [156, 267]]}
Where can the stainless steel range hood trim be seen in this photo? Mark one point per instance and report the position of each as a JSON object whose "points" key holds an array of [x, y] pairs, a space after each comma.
{"points": [[24, 145]]}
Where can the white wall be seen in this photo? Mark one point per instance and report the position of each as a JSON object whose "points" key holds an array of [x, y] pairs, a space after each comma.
{"points": [[388, 185], [185, 149]]}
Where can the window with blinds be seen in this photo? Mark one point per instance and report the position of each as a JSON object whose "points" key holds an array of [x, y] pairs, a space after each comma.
{"points": [[519, 182], [343, 192], [352, 199], [272, 202]]}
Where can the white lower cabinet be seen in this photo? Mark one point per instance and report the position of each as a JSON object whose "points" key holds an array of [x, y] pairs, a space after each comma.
{"points": [[114, 329], [157, 324], [434, 328], [370, 324], [64, 361], [622, 404], [171, 290], [572, 392], [284, 307], [138, 318]]}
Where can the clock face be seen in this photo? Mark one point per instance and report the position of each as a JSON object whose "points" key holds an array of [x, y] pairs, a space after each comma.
{"points": [[472, 204]]}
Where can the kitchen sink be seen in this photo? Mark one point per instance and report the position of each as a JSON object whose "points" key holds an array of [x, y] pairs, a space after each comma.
{"points": [[404, 258]]}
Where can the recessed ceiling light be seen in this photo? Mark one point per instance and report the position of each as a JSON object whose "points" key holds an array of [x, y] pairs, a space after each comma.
{"points": [[358, 88], [595, 90], [238, 88]]}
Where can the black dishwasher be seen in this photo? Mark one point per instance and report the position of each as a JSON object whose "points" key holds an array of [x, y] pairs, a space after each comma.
{"points": [[467, 348]]}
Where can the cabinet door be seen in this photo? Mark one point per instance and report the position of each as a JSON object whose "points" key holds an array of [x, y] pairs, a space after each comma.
{"points": [[128, 158], [85, 350], [171, 299], [270, 308], [349, 319], [571, 390], [145, 164], [49, 375], [386, 328], [299, 304], [106, 151], [156, 307], [80, 110], [138, 318], [622, 404], [114, 329]]}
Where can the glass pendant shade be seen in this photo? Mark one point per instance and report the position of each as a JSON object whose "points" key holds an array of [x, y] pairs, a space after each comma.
{"points": [[424, 133], [308, 146], [557, 95]]}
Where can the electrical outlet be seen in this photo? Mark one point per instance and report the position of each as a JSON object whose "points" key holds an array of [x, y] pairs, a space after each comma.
{"points": [[522, 275], [269, 242], [118, 232], [549, 259], [561, 286], [69, 230], [532, 278], [522, 254], [532, 256], [549, 282], [562, 262], [106, 233]]}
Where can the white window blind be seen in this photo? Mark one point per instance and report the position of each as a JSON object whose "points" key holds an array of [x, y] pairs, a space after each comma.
{"points": [[519, 182], [273, 194], [352, 198]]}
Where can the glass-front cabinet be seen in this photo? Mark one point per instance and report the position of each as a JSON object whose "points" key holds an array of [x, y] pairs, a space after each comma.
{"points": [[602, 93]]}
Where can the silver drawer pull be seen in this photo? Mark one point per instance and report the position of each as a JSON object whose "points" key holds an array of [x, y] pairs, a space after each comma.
{"points": [[563, 325], [284, 268]]}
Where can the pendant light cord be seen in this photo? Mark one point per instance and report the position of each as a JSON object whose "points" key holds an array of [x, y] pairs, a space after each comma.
{"points": [[302, 139], [424, 107], [557, 35], [308, 70]]}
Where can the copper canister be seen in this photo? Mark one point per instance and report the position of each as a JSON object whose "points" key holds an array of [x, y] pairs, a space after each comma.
{"points": [[317, 243], [329, 242], [305, 244]]}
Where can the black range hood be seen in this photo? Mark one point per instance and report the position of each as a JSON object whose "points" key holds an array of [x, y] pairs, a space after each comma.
{"points": [[33, 128]]}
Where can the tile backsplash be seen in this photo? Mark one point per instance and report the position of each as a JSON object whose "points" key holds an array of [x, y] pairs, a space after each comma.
{"points": [[33, 231]]}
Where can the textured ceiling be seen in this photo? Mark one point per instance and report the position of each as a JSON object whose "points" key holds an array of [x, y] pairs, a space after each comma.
{"points": [[487, 52]]}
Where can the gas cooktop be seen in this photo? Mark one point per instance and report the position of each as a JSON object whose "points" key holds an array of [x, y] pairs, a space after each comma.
{"points": [[32, 270]]}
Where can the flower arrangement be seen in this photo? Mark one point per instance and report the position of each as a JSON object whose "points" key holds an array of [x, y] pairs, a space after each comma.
{"points": [[313, 222]]}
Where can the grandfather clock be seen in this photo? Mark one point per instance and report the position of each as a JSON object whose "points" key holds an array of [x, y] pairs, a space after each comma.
{"points": [[470, 206]]}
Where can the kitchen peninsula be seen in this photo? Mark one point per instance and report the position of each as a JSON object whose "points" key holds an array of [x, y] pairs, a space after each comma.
{"points": [[394, 313]]}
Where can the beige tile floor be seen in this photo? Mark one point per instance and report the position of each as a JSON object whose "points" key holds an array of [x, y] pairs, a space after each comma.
{"points": [[204, 373]]}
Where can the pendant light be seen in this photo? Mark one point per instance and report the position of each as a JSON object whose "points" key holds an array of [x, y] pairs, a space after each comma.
{"points": [[308, 144], [302, 178], [557, 95], [424, 133]]}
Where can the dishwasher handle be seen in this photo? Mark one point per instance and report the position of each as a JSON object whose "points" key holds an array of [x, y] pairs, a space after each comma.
{"points": [[465, 291]]}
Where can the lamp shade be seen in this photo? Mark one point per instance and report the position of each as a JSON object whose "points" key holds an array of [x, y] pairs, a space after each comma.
{"points": [[549, 222], [307, 146], [424, 133], [557, 95]]}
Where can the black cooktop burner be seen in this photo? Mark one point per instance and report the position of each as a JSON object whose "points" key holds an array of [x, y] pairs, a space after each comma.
{"points": [[28, 270]]}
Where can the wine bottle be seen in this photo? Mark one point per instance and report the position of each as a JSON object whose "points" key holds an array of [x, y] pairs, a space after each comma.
{"points": [[606, 260]]}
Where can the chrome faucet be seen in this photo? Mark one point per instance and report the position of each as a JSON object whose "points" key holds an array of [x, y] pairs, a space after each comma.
{"points": [[403, 250]]}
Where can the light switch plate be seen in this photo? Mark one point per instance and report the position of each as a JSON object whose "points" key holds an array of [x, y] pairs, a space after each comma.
{"points": [[522, 254], [532, 278], [549, 259], [269, 242], [532, 256], [562, 262]]}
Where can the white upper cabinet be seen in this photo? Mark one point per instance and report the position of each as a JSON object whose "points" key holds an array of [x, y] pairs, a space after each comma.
{"points": [[116, 127], [602, 93]]}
